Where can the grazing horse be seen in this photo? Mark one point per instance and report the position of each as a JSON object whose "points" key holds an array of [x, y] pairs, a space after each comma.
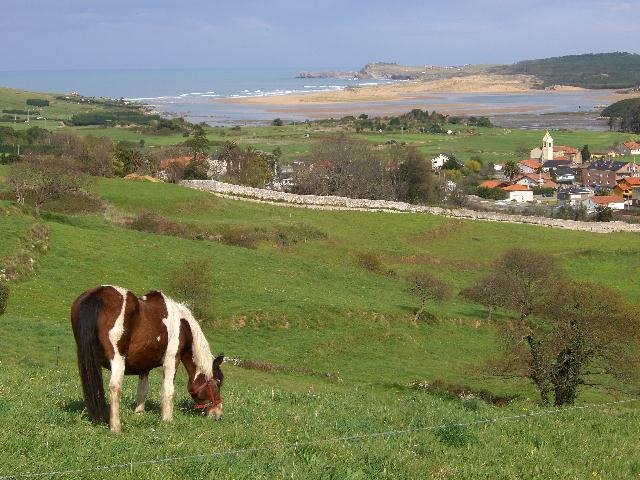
{"points": [[128, 335]]}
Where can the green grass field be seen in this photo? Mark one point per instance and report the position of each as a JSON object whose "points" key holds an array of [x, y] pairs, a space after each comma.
{"points": [[305, 304]]}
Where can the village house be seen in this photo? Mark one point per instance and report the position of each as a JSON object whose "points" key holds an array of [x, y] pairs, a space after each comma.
{"points": [[598, 178], [519, 193], [604, 154], [630, 148], [621, 169], [529, 166], [574, 195], [555, 164], [565, 175], [537, 180], [611, 201], [625, 188]]}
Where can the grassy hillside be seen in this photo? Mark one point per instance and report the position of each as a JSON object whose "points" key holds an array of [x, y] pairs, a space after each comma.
{"points": [[302, 304], [593, 70]]}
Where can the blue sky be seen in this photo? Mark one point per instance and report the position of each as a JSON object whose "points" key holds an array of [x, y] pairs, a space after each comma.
{"points": [[88, 34]]}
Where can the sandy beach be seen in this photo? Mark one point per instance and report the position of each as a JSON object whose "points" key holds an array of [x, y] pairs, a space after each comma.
{"points": [[401, 91]]}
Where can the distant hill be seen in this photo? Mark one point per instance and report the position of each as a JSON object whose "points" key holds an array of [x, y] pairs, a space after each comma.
{"points": [[622, 108], [624, 115], [593, 70]]}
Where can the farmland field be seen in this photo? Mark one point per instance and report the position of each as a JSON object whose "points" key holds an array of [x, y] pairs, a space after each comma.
{"points": [[341, 407]]}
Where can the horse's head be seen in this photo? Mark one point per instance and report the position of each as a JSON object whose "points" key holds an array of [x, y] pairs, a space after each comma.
{"points": [[206, 394]]}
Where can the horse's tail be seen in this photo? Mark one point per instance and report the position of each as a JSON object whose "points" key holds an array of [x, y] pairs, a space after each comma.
{"points": [[89, 357]]}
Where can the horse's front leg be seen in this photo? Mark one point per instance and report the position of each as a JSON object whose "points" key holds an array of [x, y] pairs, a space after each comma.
{"points": [[115, 389], [143, 389], [169, 373]]}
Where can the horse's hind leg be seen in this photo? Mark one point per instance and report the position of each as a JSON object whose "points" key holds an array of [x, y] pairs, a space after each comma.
{"points": [[115, 388], [143, 389]]}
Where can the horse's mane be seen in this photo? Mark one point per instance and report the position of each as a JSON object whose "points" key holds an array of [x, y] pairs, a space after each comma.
{"points": [[200, 347]]}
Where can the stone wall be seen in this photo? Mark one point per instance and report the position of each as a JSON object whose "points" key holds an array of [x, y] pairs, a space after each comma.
{"points": [[332, 202]]}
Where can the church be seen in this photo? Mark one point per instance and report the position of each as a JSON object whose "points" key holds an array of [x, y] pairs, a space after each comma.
{"points": [[549, 152]]}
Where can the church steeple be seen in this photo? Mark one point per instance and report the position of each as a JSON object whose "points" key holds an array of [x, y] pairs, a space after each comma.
{"points": [[547, 147]]}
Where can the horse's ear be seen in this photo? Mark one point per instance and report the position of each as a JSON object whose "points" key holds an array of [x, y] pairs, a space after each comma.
{"points": [[218, 361]]}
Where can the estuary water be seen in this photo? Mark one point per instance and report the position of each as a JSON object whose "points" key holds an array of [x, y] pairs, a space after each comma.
{"points": [[196, 94]]}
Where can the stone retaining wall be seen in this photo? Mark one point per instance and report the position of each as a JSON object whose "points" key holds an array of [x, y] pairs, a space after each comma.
{"points": [[332, 202]]}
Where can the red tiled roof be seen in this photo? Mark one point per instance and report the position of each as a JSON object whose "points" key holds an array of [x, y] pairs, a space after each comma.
{"points": [[516, 188], [607, 199], [530, 163], [549, 184], [632, 145], [631, 181], [536, 176], [491, 184], [562, 148]]}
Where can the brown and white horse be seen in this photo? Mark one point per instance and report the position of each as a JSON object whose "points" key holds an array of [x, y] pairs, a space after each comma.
{"points": [[115, 329]]}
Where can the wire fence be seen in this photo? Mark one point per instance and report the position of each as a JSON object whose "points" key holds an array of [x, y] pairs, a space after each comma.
{"points": [[293, 445]]}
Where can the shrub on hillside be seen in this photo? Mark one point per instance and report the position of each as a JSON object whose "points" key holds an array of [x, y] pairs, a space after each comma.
{"points": [[41, 178], [22, 262], [192, 283], [372, 261], [428, 288], [153, 223], [4, 296]]}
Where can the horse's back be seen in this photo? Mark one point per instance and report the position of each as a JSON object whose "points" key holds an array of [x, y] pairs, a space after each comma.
{"points": [[149, 338], [107, 311]]}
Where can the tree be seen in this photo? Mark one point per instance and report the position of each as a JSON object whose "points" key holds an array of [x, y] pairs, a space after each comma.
{"points": [[511, 169], [519, 281], [526, 275], [40, 178], [346, 167], [488, 291], [196, 170], [198, 144], [587, 332], [428, 288], [603, 213], [585, 153], [129, 156], [247, 166], [277, 122], [473, 165], [414, 179]]}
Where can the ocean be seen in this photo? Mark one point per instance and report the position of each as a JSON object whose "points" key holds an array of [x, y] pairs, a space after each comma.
{"points": [[195, 94]]}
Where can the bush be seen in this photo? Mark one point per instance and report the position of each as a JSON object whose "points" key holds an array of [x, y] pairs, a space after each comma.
{"points": [[454, 435], [22, 262], [38, 102], [153, 223], [192, 283], [491, 193], [277, 122], [4, 296], [372, 262]]}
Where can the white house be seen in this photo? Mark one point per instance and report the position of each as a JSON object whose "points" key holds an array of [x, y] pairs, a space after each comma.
{"points": [[519, 193], [438, 162], [611, 201], [631, 148]]}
